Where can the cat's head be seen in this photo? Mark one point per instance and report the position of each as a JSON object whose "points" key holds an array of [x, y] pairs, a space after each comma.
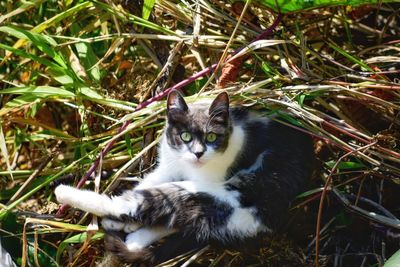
{"points": [[199, 132]]}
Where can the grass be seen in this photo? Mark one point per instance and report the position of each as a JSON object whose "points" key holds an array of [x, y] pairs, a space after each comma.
{"points": [[78, 77]]}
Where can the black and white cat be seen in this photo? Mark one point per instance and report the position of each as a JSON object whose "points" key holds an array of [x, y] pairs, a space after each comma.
{"points": [[223, 174]]}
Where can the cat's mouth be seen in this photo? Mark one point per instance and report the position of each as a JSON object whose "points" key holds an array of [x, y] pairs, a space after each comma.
{"points": [[198, 163]]}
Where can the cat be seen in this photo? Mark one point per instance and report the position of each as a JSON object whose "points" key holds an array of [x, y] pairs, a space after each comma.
{"points": [[223, 174]]}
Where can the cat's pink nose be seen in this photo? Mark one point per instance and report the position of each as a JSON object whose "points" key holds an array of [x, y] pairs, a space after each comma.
{"points": [[199, 154]]}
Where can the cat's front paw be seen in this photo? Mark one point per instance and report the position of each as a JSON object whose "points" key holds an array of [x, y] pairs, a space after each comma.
{"points": [[63, 193]]}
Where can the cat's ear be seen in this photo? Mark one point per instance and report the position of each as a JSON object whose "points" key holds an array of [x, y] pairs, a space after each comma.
{"points": [[220, 105], [175, 101]]}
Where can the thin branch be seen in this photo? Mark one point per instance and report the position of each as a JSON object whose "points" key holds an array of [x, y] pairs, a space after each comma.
{"points": [[323, 195]]}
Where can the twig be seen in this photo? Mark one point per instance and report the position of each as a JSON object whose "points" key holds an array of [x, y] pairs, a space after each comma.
{"points": [[388, 219], [376, 86], [324, 192], [222, 60], [174, 261], [164, 77], [42, 165], [195, 256]]}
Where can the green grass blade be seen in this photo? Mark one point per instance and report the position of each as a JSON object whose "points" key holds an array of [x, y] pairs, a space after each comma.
{"points": [[87, 57], [134, 19], [147, 8], [90, 94], [24, 7], [79, 238], [63, 75], [24, 54], [40, 91], [44, 43], [63, 15], [23, 100], [346, 165], [394, 260], [350, 57]]}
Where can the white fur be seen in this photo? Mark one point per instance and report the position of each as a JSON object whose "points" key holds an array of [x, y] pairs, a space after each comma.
{"points": [[145, 236], [89, 201], [182, 163], [244, 223], [159, 176], [85, 200]]}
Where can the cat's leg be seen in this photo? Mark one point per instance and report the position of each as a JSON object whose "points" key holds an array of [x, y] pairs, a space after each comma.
{"points": [[95, 203], [99, 204], [136, 245], [208, 210], [154, 178]]}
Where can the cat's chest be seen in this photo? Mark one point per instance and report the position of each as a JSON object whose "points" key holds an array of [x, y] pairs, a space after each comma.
{"points": [[206, 173]]}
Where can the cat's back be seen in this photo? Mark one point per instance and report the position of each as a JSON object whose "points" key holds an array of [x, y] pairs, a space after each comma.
{"points": [[267, 136], [276, 160]]}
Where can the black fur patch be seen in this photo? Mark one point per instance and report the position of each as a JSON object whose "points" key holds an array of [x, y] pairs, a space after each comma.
{"points": [[285, 168], [171, 206]]}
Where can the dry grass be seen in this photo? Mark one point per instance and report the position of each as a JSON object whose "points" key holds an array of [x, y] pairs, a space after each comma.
{"points": [[78, 78]]}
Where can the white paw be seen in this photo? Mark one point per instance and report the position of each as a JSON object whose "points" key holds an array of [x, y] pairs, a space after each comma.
{"points": [[146, 236], [126, 204], [112, 225], [131, 227], [135, 242], [62, 193]]}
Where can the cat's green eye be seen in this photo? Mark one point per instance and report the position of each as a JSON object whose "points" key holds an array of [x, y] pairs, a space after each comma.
{"points": [[211, 137], [186, 137]]}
